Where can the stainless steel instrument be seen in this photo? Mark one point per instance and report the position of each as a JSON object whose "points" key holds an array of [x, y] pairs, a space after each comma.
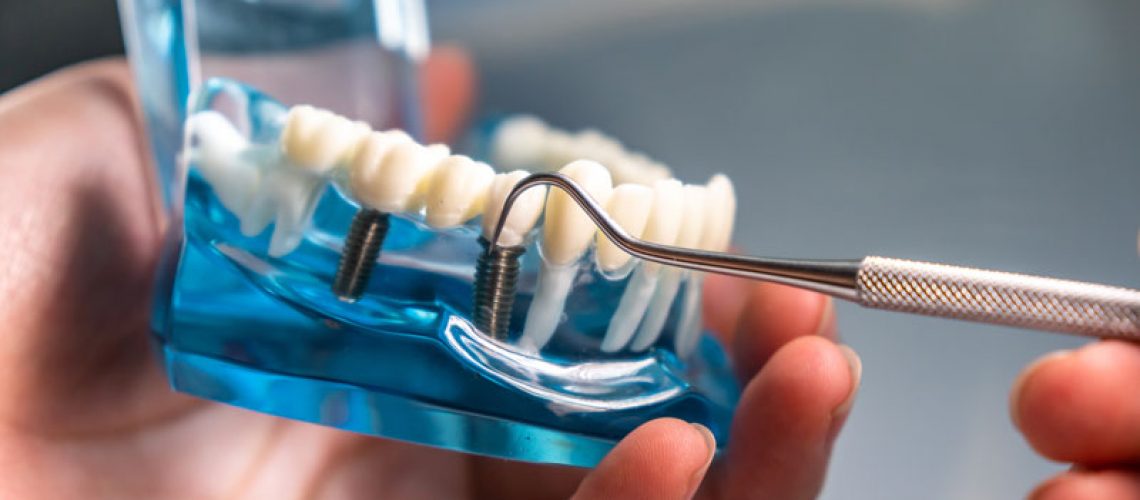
{"points": [[895, 284]]}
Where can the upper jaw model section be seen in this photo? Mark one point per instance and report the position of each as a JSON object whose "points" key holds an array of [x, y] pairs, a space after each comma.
{"points": [[389, 172]]}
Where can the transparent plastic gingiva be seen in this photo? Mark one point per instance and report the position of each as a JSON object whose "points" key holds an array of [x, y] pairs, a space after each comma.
{"points": [[257, 326]]}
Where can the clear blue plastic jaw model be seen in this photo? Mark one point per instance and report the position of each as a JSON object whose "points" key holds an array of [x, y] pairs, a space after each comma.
{"points": [[253, 320]]}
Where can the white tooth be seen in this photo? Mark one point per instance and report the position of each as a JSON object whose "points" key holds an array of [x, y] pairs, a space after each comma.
{"points": [[720, 213], [629, 207], [565, 235], [262, 207], [666, 217], [720, 188], [518, 143], [670, 282], [689, 326], [630, 309], [594, 145], [547, 304], [296, 195], [457, 191], [653, 172], [434, 157], [693, 222], [559, 149], [216, 148], [389, 174], [568, 230], [664, 225], [319, 140], [524, 212]]}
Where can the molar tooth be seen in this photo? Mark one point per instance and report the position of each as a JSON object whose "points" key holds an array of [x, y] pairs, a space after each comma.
{"points": [[664, 224], [436, 153], [216, 148], [247, 184], [629, 206], [566, 234], [388, 173], [518, 142], [457, 191], [296, 197], [319, 140], [524, 213]]}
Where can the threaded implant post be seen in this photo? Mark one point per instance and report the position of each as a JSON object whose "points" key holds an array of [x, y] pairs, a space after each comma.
{"points": [[496, 278], [361, 248]]}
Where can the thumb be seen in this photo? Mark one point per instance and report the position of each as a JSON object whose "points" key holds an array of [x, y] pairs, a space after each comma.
{"points": [[662, 459]]}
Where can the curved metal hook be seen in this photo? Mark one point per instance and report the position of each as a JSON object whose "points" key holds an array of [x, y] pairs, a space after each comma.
{"points": [[833, 277]]}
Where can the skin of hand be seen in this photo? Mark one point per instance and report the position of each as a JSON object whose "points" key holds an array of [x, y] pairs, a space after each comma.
{"points": [[85, 410], [1082, 407]]}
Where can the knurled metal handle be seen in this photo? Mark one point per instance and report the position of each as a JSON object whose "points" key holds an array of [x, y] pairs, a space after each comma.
{"points": [[998, 297]]}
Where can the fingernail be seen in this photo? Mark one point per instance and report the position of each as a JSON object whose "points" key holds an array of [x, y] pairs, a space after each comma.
{"points": [[699, 474], [826, 327], [856, 366], [1019, 382]]}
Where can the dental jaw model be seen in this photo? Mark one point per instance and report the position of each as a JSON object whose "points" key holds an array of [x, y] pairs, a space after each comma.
{"points": [[431, 348]]}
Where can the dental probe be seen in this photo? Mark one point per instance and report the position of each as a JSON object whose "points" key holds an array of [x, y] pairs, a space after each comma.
{"points": [[909, 286]]}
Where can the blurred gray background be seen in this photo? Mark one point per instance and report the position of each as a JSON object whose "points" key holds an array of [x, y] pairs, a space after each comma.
{"points": [[1002, 134]]}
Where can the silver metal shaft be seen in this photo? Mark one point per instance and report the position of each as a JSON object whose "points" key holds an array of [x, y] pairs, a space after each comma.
{"points": [[894, 284]]}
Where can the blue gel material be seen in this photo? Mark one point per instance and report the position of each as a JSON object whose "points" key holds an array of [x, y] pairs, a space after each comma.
{"points": [[405, 362]]}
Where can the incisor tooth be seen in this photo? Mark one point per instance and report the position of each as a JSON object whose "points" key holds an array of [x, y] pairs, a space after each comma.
{"points": [[565, 236], [720, 212], [721, 216], [629, 206], [568, 230], [457, 191], [524, 213], [388, 174], [665, 217], [663, 227], [319, 140], [693, 218], [670, 282]]}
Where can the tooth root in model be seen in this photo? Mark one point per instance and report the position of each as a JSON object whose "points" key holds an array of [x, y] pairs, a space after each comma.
{"points": [[670, 281], [720, 212], [630, 208], [663, 227], [497, 270], [566, 234], [387, 174]]}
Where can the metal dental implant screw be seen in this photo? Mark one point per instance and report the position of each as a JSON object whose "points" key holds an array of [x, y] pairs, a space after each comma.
{"points": [[496, 278], [361, 248]]}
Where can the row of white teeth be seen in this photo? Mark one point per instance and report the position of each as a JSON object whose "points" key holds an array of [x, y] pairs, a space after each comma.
{"points": [[390, 172]]}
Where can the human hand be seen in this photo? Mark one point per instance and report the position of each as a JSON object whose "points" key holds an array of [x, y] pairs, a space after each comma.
{"points": [[85, 410], [1082, 407]]}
